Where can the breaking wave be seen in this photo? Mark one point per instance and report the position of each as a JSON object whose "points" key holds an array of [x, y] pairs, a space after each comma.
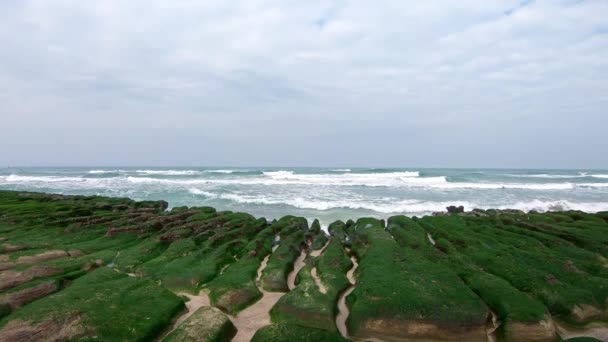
{"points": [[423, 182], [396, 180], [393, 206], [97, 172], [548, 176], [327, 193], [41, 179], [169, 172], [221, 171]]}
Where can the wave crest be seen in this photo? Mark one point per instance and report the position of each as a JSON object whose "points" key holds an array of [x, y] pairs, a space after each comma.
{"points": [[394, 206], [169, 172]]}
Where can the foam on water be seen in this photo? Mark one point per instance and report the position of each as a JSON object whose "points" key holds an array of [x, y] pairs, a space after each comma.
{"points": [[328, 194], [44, 179], [549, 176], [420, 182], [391, 205], [221, 171], [523, 186], [288, 178], [170, 172], [96, 172]]}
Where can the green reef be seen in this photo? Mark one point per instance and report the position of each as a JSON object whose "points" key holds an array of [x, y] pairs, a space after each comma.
{"points": [[112, 269]]}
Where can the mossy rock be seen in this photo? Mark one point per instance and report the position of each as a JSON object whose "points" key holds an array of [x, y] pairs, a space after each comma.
{"points": [[207, 324], [295, 333]]}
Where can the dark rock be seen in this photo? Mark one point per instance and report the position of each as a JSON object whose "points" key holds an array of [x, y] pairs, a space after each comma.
{"points": [[315, 227], [163, 205], [455, 210]]}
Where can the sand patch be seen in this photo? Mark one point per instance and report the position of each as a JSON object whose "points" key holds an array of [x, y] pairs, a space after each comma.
{"points": [[320, 285], [297, 266], [318, 252], [585, 312], [491, 326], [431, 240], [598, 330], [343, 310], [257, 315], [350, 275]]}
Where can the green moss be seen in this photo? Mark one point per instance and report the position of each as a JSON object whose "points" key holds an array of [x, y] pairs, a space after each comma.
{"points": [[206, 324], [289, 333], [398, 282], [281, 262], [306, 305], [522, 266], [139, 311], [536, 264]]}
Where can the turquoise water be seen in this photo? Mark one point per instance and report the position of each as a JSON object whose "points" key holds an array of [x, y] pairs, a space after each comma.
{"points": [[327, 193]]}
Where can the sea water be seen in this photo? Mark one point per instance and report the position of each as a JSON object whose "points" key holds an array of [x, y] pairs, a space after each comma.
{"points": [[327, 193]]}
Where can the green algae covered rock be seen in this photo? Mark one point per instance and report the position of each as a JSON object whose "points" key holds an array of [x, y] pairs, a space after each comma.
{"points": [[103, 304], [90, 267], [313, 302], [207, 324], [292, 333], [401, 294]]}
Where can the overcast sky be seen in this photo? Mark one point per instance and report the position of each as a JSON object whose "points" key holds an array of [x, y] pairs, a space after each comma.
{"points": [[463, 83]]}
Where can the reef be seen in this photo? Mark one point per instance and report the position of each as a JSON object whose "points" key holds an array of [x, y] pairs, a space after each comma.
{"points": [[115, 269]]}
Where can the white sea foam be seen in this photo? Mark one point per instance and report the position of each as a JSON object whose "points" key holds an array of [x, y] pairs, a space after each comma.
{"points": [[341, 170], [203, 192], [169, 172], [490, 186], [388, 206], [149, 180], [397, 180], [378, 205], [413, 182], [543, 206], [281, 173], [593, 185], [365, 179], [549, 176], [421, 181], [599, 176], [220, 171], [94, 172], [41, 179]]}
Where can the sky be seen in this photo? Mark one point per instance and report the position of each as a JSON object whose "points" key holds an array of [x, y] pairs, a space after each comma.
{"points": [[453, 83]]}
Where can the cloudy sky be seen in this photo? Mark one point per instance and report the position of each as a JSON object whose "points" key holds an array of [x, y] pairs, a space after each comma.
{"points": [[462, 83]]}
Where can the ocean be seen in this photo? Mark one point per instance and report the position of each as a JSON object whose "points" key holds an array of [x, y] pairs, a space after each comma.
{"points": [[328, 194]]}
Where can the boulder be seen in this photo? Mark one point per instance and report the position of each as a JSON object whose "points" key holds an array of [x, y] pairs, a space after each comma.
{"points": [[455, 210]]}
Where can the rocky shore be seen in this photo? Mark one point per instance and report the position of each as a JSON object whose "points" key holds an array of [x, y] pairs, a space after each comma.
{"points": [[114, 269]]}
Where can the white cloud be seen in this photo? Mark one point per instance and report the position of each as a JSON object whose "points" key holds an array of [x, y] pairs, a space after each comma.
{"points": [[341, 68]]}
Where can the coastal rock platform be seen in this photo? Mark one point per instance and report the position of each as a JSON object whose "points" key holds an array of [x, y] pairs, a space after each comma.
{"points": [[115, 269]]}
